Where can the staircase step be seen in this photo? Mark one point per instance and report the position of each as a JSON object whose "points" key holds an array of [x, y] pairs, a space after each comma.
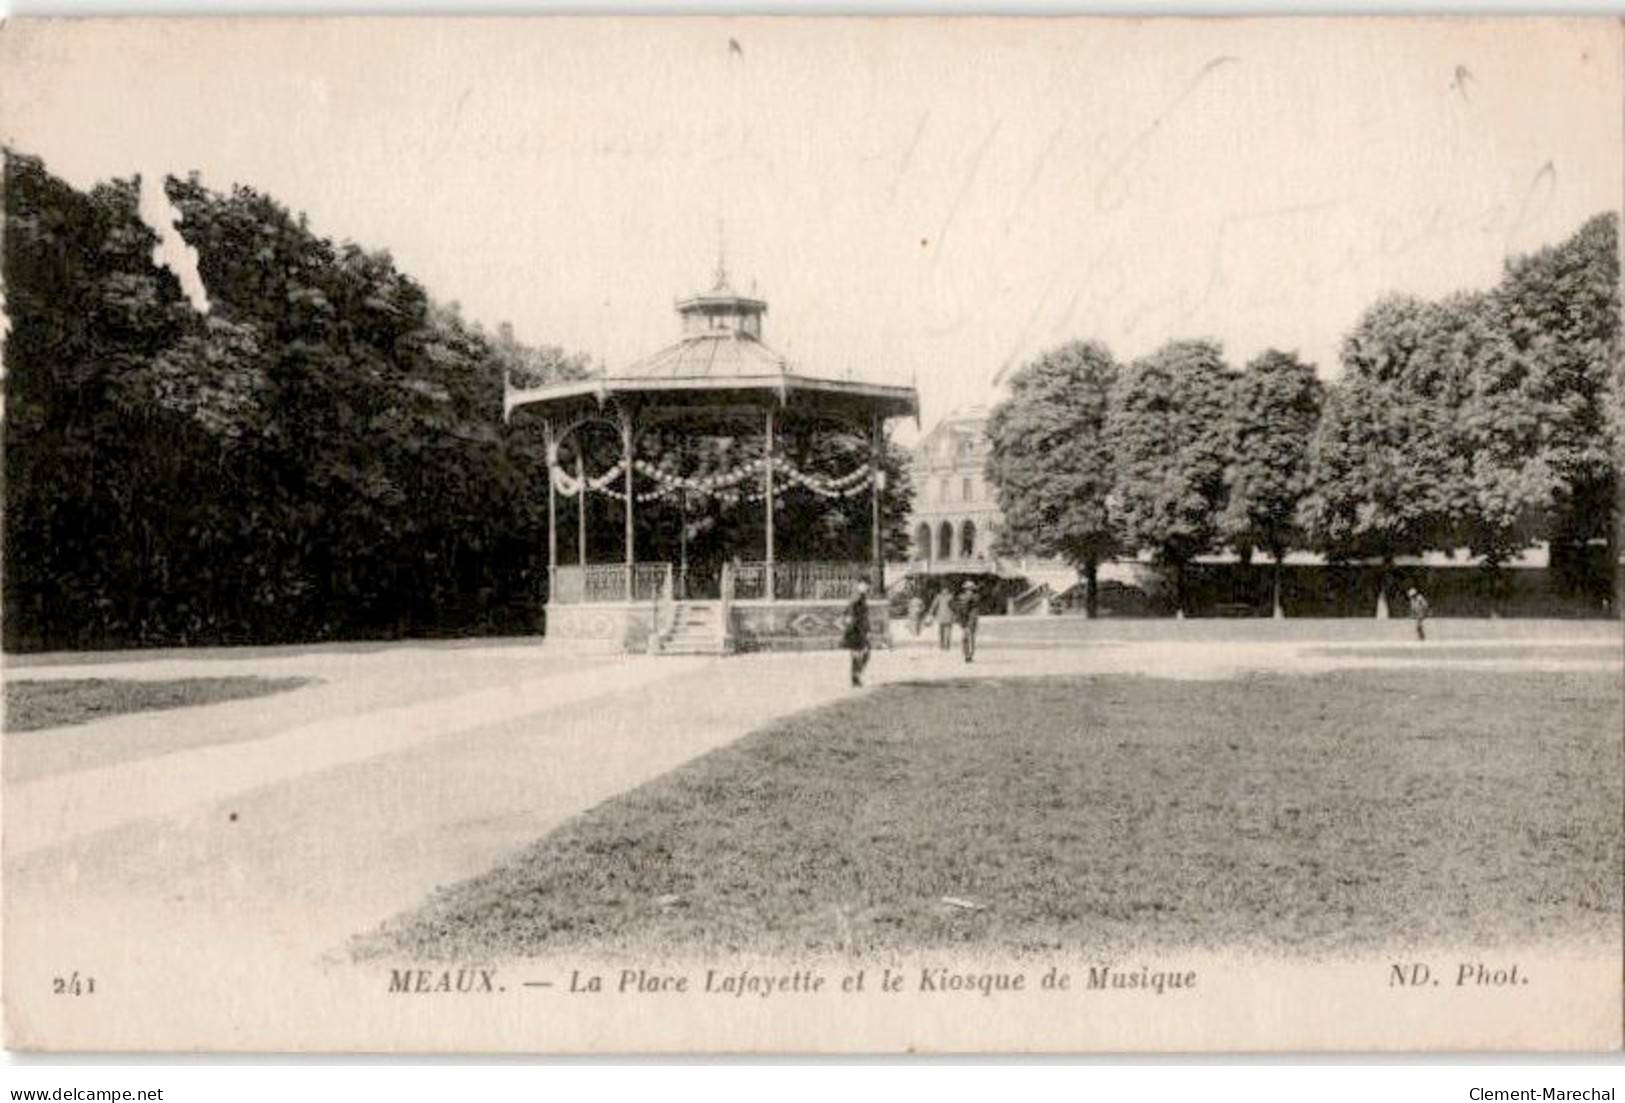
{"points": [[693, 630]]}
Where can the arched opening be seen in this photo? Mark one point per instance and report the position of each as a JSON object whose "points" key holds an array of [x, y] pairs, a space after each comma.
{"points": [[922, 541], [967, 540], [945, 540]]}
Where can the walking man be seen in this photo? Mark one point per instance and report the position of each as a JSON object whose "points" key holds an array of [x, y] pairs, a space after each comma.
{"points": [[856, 636], [1419, 611], [965, 613], [916, 613], [942, 612]]}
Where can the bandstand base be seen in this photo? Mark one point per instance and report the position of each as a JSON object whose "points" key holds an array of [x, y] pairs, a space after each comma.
{"points": [[799, 625], [626, 627], [613, 628]]}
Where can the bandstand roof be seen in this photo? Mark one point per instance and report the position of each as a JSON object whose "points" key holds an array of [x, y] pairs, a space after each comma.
{"points": [[722, 356]]}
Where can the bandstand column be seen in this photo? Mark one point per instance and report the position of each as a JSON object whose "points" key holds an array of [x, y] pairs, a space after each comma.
{"points": [[767, 497], [876, 476], [552, 451], [581, 511], [626, 458]]}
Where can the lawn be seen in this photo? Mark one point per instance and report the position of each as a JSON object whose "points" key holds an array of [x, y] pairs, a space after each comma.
{"points": [[54, 703], [1344, 811]]}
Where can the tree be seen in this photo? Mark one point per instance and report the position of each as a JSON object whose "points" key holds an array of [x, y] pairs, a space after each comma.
{"points": [[1499, 432], [1050, 461], [1167, 431], [1561, 311], [1387, 474], [1274, 408], [318, 456]]}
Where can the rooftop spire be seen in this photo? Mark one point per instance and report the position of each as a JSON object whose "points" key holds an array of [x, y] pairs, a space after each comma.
{"points": [[722, 260]]}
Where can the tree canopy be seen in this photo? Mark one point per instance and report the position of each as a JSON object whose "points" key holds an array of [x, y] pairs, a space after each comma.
{"points": [[1274, 408], [1168, 437], [1050, 461]]}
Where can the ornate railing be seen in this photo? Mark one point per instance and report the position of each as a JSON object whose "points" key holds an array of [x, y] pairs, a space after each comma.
{"points": [[798, 581], [747, 581], [648, 579], [819, 581], [661, 582], [606, 582]]}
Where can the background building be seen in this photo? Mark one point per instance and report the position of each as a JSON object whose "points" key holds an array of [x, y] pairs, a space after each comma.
{"points": [[956, 516]]}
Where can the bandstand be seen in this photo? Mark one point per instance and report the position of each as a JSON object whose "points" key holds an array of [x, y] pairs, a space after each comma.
{"points": [[720, 380]]}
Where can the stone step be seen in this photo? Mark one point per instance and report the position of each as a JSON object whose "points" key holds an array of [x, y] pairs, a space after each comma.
{"points": [[713, 647], [693, 631]]}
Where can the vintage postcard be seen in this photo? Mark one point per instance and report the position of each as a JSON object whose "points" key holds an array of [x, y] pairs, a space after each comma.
{"points": [[792, 535]]}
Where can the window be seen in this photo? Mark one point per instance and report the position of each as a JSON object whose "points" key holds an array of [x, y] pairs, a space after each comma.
{"points": [[966, 490], [942, 491]]}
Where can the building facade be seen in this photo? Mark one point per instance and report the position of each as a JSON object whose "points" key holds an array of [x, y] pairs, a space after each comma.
{"points": [[956, 515]]}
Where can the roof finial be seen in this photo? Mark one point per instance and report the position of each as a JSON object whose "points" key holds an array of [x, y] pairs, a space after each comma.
{"points": [[722, 259]]}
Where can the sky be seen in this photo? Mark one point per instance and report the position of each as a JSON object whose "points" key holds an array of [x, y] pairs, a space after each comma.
{"points": [[926, 201]]}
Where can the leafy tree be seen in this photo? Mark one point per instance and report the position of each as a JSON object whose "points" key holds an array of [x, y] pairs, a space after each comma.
{"points": [[1387, 474], [1561, 311], [1498, 433], [317, 456], [1050, 460], [1274, 408], [1482, 421], [1167, 431]]}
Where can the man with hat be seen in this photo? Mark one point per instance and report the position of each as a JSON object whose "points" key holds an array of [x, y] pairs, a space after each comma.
{"points": [[1419, 610], [965, 615], [855, 633]]}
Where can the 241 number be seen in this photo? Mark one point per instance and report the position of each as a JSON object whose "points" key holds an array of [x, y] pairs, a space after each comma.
{"points": [[73, 985]]}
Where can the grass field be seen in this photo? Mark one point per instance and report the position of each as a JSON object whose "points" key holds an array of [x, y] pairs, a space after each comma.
{"points": [[54, 703], [1292, 814]]}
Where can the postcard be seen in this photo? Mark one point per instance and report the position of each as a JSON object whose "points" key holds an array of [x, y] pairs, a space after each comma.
{"points": [[812, 535]]}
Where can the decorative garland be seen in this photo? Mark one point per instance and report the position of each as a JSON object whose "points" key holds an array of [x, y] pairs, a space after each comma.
{"points": [[706, 484], [569, 486], [721, 486], [849, 485]]}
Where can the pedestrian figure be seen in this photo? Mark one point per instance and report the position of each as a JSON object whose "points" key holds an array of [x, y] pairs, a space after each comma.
{"points": [[856, 636], [916, 613], [942, 612], [1419, 611], [965, 612]]}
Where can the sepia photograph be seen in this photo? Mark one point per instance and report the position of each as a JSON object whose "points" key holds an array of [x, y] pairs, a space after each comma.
{"points": [[846, 535]]}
